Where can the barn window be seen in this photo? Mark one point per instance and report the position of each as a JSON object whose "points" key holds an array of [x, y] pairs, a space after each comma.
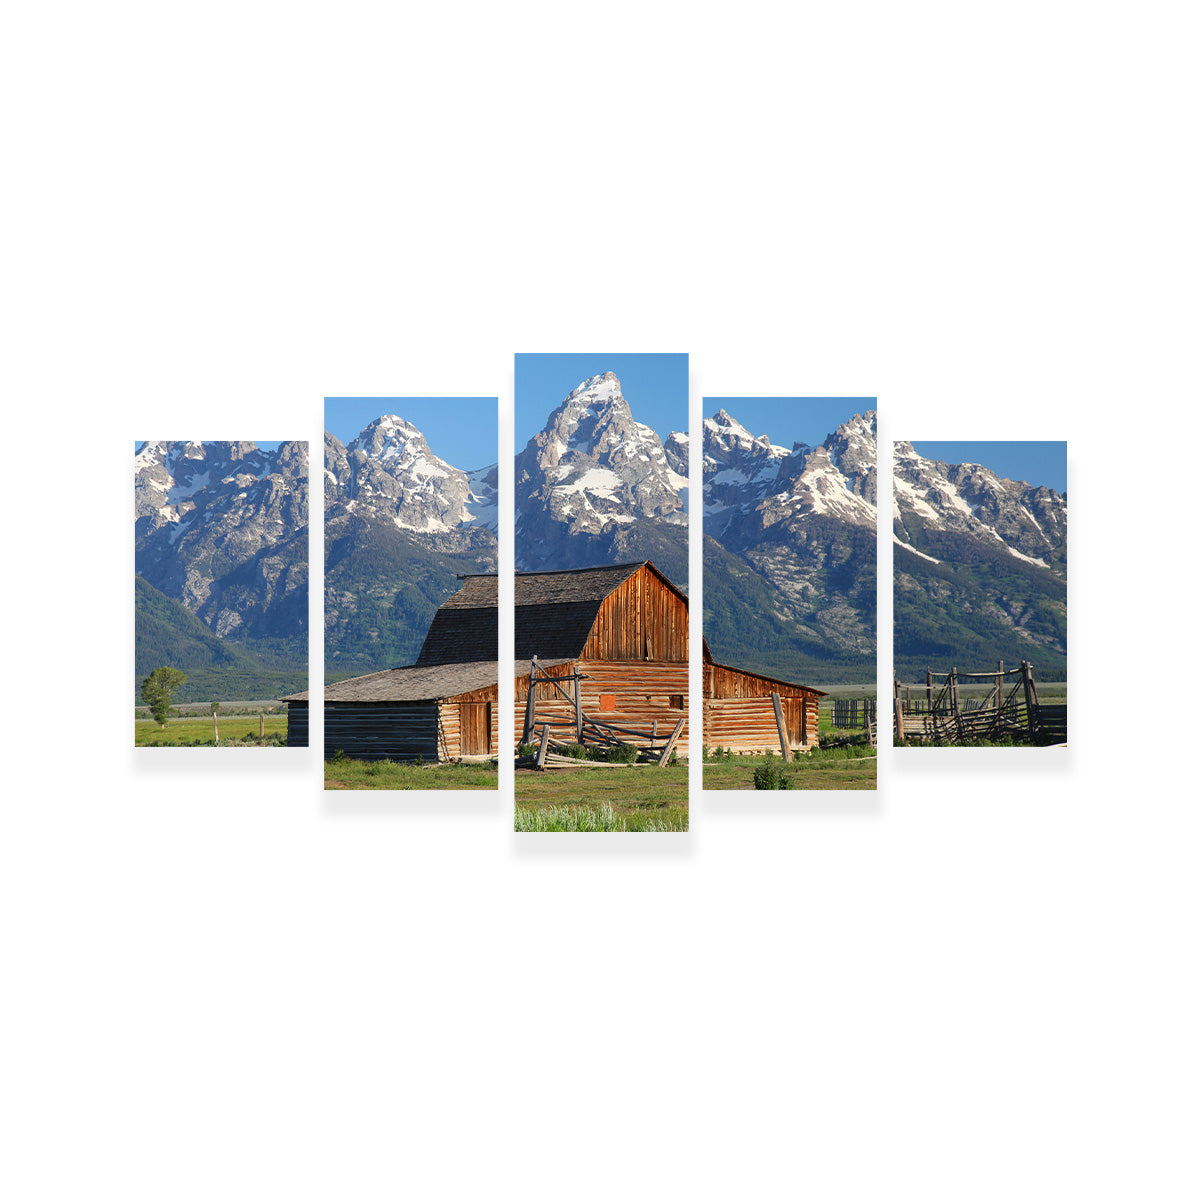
{"points": [[676, 701], [608, 702]]}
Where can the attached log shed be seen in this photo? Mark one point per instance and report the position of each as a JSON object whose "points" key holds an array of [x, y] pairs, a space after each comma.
{"points": [[741, 712], [442, 708]]}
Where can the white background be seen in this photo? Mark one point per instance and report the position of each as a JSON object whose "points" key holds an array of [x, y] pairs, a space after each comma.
{"points": [[980, 982]]}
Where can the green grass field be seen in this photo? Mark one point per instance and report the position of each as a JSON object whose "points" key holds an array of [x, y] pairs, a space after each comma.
{"points": [[598, 799], [352, 773], [198, 731], [839, 768]]}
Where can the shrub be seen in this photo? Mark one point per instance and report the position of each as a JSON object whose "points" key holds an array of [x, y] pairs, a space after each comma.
{"points": [[621, 754], [770, 776]]}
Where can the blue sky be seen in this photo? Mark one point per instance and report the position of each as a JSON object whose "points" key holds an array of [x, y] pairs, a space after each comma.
{"points": [[462, 430], [1039, 463], [655, 386], [788, 419], [260, 444]]}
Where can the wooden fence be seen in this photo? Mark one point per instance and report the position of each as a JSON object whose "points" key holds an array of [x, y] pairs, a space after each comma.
{"points": [[555, 731], [853, 714], [937, 713]]}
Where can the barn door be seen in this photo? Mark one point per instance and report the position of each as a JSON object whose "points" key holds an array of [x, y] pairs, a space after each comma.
{"points": [[475, 719], [793, 710]]}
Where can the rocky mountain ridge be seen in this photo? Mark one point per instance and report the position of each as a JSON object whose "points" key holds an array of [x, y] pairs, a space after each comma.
{"points": [[980, 565], [1028, 522], [790, 550], [222, 527]]}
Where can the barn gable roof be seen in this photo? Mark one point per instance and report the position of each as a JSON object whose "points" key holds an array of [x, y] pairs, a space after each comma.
{"points": [[554, 616], [556, 610]]}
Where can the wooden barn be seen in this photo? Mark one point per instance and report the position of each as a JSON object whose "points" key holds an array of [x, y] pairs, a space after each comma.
{"points": [[619, 635], [624, 629], [442, 708], [741, 713]]}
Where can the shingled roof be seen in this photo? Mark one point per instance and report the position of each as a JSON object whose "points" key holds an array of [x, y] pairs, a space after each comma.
{"points": [[466, 628], [411, 683], [420, 683]]}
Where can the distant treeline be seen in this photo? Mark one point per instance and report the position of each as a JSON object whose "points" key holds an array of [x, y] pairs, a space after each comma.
{"points": [[167, 634]]}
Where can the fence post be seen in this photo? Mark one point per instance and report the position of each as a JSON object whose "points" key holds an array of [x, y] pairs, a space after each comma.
{"points": [[999, 685], [781, 725], [578, 709], [896, 709], [1030, 697], [527, 730], [928, 690]]}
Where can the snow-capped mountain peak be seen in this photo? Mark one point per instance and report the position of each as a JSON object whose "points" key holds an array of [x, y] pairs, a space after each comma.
{"points": [[589, 479], [389, 472], [594, 466]]}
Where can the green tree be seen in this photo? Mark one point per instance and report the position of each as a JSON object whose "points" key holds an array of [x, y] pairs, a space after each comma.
{"points": [[158, 690]]}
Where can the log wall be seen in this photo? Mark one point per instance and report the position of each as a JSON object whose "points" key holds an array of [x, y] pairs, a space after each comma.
{"points": [[747, 724], [376, 731], [297, 727]]}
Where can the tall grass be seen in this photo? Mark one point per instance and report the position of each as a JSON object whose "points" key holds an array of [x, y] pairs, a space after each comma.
{"points": [[599, 818]]}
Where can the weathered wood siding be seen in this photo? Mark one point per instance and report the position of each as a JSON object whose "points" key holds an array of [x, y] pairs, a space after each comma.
{"points": [[642, 619], [297, 727], [621, 693], [747, 725], [481, 716], [375, 731]]}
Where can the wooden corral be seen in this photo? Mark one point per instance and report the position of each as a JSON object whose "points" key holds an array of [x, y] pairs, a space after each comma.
{"points": [[938, 715], [749, 713]]}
